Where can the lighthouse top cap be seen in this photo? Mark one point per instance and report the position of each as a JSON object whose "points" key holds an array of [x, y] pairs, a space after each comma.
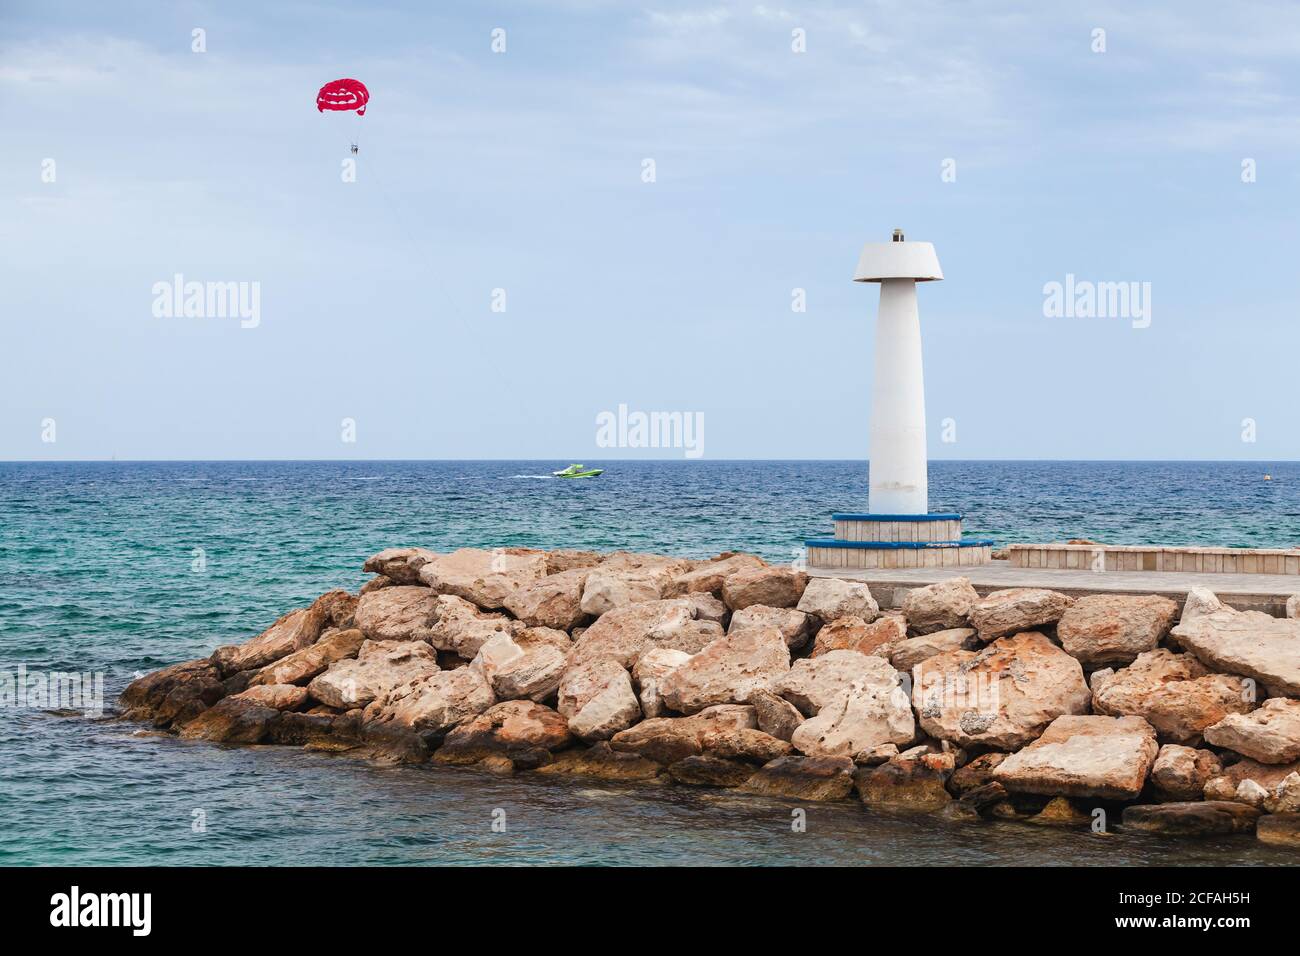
{"points": [[897, 260]]}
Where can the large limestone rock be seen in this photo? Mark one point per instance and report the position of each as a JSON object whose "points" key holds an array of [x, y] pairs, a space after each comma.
{"points": [[1250, 643], [275, 696], [1270, 734], [795, 626], [640, 561], [300, 729], [1114, 628], [432, 704], [1205, 818], [400, 565], [706, 770], [514, 728], [830, 599], [600, 762], [854, 634], [400, 613], [301, 666], [177, 693], [533, 670], [775, 715], [710, 575], [743, 743], [234, 720], [906, 654], [485, 578], [770, 586], [667, 740], [664, 740], [1001, 697], [1280, 829], [649, 673], [727, 671], [597, 697], [1224, 786], [912, 783], [803, 778], [1104, 757], [941, 606], [461, 628], [567, 559], [628, 631], [379, 667], [1014, 610], [553, 601], [292, 632], [617, 583], [874, 710], [1181, 773], [708, 608], [815, 682], [1173, 692]]}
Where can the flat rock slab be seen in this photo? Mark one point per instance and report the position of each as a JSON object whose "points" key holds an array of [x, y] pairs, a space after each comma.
{"points": [[1279, 829], [1249, 643], [601, 763], [1196, 818], [1104, 757], [706, 770], [804, 778]]}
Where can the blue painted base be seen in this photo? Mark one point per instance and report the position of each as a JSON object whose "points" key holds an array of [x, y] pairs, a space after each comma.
{"points": [[891, 545], [864, 516]]}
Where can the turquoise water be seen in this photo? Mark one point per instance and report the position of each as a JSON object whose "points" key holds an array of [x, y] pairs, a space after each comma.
{"points": [[99, 573]]}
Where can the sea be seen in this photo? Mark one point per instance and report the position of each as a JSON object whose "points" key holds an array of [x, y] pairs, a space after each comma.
{"points": [[118, 568]]}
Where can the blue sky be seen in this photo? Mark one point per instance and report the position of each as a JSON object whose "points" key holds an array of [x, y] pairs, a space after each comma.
{"points": [[523, 171]]}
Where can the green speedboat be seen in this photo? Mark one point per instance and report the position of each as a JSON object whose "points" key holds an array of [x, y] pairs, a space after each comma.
{"points": [[578, 471]]}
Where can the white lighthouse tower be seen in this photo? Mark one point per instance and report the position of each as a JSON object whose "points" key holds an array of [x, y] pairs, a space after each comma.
{"points": [[898, 530], [899, 484]]}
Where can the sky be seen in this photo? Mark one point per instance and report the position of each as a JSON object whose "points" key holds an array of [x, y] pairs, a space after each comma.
{"points": [[1025, 144]]}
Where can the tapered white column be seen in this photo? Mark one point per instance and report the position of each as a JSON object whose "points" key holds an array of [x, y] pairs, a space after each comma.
{"points": [[899, 484]]}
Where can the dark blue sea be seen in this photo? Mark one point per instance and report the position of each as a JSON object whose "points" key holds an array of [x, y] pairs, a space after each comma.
{"points": [[121, 568]]}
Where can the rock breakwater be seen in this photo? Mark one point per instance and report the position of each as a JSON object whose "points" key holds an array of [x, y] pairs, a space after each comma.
{"points": [[731, 672]]}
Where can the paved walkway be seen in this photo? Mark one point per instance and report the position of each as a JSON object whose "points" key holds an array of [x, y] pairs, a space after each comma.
{"points": [[1260, 592]]}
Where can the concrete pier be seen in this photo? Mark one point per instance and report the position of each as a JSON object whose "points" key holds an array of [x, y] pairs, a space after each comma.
{"points": [[1245, 592]]}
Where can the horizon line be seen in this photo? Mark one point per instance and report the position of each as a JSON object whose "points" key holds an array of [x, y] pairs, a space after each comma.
{"points": [[684, 461]]}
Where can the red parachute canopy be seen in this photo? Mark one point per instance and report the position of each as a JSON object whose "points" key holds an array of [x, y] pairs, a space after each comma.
{"points": [[343, 95]]}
